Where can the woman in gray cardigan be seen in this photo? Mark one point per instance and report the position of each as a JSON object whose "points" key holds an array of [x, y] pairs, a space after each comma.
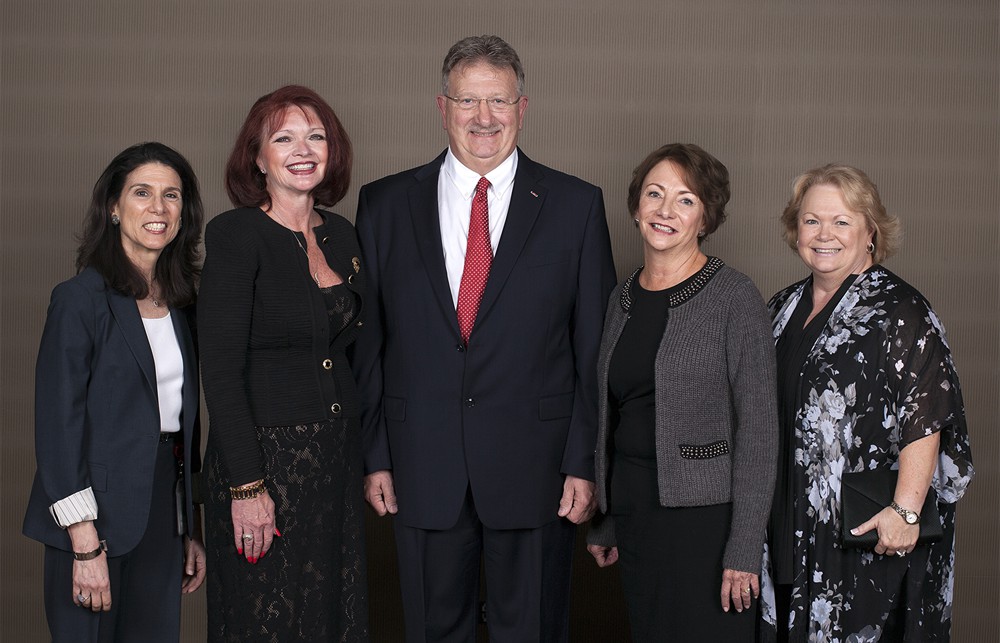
{"points": [[685, 456]]}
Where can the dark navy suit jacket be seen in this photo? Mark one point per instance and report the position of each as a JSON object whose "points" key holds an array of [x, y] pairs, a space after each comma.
{"points": [[97, 421], [515, 411]]}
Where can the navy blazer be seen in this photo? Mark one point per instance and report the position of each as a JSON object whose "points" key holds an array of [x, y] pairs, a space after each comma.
{"points": [[514, 412], [97, 420]]}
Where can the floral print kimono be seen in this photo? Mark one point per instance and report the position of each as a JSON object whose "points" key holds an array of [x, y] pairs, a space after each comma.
{"points": [[879, 376]]}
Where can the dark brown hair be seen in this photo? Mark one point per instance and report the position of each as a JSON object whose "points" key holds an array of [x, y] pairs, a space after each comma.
{"points": [[101, 248], [247, 186], [707, 177]]}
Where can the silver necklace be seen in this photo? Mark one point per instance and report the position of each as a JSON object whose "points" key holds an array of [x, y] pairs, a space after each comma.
{"points": [[314, 275]]}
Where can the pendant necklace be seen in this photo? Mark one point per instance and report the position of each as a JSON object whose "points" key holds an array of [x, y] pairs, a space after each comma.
{"points": [[314, 275]]}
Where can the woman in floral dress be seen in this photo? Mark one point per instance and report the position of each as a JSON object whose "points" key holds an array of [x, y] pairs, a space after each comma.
{"points": [[865, 381]]}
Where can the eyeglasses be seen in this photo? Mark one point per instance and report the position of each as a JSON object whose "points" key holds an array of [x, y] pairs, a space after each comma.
{"points": [[495, 105]]}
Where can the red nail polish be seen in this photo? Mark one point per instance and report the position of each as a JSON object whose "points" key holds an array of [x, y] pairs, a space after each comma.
{"points": [[277, 533], [240, 550]]}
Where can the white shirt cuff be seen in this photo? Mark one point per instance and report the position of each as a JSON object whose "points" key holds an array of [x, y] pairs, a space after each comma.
{"points": [[79, 507]]}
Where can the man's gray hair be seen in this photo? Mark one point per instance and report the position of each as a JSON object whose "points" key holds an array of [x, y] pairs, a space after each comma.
{"points": [[492, 50]]}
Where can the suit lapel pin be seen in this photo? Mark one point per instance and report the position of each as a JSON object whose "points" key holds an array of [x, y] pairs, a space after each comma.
{"points": [[356, 264], [534, 194]]}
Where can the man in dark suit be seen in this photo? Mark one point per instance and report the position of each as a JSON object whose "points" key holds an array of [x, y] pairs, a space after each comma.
{"points": [[490, 275]]}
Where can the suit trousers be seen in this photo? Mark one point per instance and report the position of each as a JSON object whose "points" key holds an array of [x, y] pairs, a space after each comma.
{"points": [[527, 580], [145, 582]]}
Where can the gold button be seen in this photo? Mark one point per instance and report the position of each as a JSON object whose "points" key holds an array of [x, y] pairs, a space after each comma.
{"points": [[335, 408], [328, 364]]}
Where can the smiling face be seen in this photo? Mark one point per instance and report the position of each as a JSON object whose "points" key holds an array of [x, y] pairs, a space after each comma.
{"points": [[670, 215], [294, 156], [150, 212], [481, 139], [832, 239]]}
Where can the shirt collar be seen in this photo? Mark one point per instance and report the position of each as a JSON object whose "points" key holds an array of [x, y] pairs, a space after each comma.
{"points": [[465, 180]]}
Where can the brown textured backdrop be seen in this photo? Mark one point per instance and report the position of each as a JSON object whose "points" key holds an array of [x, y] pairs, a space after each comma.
{"points": [[907, 90]]}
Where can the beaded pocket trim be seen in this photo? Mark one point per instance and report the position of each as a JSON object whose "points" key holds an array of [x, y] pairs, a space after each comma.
{"points": [[704, 451]]}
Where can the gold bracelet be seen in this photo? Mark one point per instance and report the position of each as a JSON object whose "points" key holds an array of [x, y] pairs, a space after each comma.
{"points": [[248, 490]]}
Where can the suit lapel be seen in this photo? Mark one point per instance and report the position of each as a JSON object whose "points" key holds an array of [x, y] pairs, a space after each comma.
{"points": [[190, 391], [126, 313], [423, 204], [526, 201]]}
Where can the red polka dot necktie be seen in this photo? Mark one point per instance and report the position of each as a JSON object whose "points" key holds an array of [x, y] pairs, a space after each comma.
{"points": [[478, 259]]}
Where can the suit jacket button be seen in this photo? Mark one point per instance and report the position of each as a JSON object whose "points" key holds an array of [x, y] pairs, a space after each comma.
{"points": [[335, 409], [328, 364], [470, 402], [460, 348], [325, 239], [360, 324], [350, 279]]}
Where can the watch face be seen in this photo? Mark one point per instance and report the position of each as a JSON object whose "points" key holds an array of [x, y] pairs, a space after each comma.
{"points": [[911, 518]]}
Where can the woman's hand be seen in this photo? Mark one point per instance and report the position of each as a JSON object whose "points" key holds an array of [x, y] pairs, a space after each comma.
{"points": [[253, 526], [605, 556], [90, 577], [194, 565], [895, 537], [737, 588]]}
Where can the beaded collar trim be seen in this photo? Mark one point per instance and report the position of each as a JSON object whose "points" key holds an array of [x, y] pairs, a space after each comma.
{"points": [[695, 283]]}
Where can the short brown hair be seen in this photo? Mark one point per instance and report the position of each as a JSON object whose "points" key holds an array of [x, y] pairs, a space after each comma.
{"points": [[707, 177], [247, 186], [860, 195]]}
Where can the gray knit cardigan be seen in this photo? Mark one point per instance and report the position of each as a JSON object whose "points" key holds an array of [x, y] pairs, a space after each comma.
{"points": [[716, 415]]}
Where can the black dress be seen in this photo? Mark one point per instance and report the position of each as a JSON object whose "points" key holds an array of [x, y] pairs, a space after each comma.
{"points": [[311, 585]]}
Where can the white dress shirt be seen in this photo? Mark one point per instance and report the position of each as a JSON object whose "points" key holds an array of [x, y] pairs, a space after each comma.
{"points": [[456, 187]]}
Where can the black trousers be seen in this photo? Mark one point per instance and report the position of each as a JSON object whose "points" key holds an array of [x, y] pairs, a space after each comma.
{"points": [[145, 582], [527, 580]]}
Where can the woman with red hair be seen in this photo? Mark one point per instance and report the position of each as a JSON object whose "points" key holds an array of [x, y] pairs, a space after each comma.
{"points": [[281, 300]]}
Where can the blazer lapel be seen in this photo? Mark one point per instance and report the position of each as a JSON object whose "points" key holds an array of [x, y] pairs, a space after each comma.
{"points": [[190, 391], [126, 313], [526, 201], [423, 205]]}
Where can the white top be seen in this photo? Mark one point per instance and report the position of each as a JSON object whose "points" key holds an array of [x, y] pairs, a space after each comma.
{"points": [[456, 187], [169, 371], [169, 365]]}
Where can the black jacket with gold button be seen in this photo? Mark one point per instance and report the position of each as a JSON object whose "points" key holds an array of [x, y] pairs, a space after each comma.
{"points": [[268, 357]]}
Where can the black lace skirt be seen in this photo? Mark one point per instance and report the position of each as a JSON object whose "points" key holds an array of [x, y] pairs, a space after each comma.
{"points": [[311, 585]]}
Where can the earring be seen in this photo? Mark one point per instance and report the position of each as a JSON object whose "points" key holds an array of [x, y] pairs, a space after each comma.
{"points": [[263, 171], [636, 221], [701, 235], [115, 220], [870, 247]]}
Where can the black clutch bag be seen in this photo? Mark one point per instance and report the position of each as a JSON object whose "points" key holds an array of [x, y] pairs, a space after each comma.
{"points": [[865, 493]]}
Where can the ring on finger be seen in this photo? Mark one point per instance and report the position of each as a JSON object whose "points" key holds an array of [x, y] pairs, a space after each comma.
{"points": [[900, 553], [746, 590], [80, 598], [247, 537]]}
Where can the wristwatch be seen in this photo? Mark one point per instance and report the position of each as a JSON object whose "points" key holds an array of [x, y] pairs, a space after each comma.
{"points": [[911, 517]]}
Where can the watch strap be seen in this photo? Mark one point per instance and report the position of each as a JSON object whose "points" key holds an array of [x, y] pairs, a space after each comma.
{"points": [[102, 546], [903, 513]]}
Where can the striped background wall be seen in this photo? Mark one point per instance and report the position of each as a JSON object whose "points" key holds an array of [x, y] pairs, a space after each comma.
{"points": [[907, 91]]}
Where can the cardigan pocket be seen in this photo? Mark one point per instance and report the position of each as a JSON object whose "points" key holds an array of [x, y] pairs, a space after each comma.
{"points": [[704, 451]]}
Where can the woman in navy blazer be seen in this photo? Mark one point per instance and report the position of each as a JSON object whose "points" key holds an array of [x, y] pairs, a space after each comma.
{"points": [[116, 406]]}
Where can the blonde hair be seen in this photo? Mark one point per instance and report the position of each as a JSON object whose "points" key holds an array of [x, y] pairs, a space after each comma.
{"points": [[861, 196]]}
